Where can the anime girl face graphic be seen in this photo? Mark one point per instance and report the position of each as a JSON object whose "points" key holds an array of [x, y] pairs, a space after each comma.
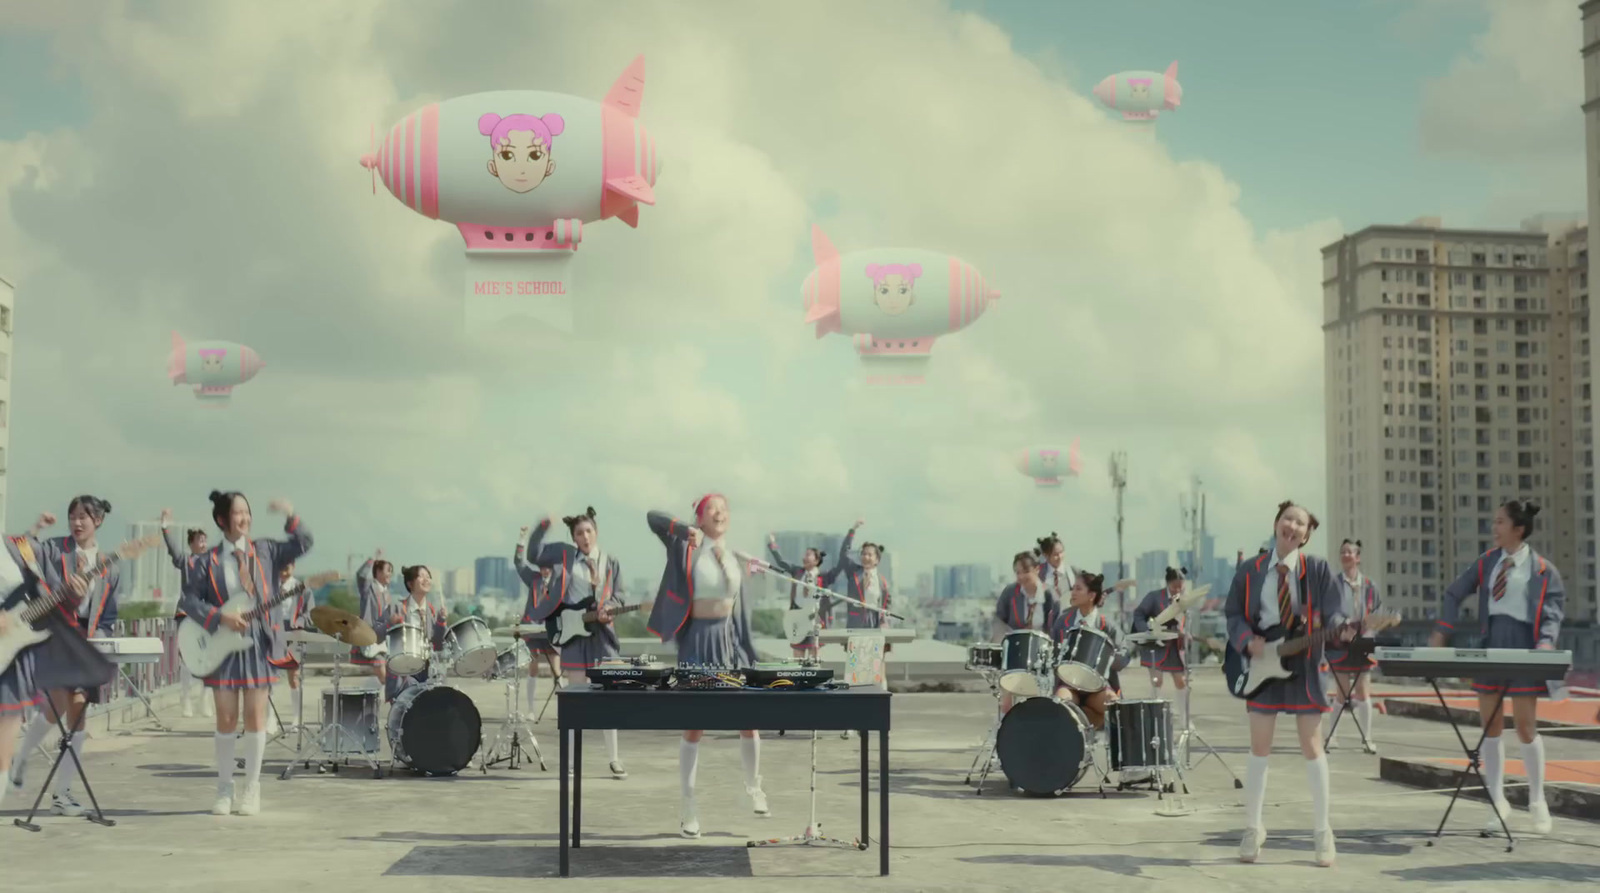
{"points": [[211, 361], [894, 286], [1139, 88], [520, 148]]}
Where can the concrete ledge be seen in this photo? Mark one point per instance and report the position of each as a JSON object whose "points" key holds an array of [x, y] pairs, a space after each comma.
{"points": [[1578, 801], [1468, 718]]}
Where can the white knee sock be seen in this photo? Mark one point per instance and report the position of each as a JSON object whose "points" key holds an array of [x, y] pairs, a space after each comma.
{"points": [[1317, 775], [185, 682], [611, 745], [37, 729], [750, 755], [1364, 713], [68, 770], [1255, 790], [255, 749], [225, 743], [1494, 767], [533, 693], [688, 761], [1533, 766]]}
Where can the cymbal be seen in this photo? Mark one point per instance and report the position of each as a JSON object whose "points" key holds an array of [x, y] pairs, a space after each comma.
{"points": [[343, 625]]}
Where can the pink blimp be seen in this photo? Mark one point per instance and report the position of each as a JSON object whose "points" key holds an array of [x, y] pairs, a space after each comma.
{"points": [[894, 301], [1141, 95], [1047, 465], [213, 367], [519, 173]]}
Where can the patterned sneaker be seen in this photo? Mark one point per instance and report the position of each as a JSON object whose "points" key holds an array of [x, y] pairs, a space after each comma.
{"points": [[758, 800], [65, 804], [688, 820]]}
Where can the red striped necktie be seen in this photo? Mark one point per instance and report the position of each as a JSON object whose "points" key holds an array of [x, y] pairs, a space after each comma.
{"points": [[1500, 578], [1285, 598]]}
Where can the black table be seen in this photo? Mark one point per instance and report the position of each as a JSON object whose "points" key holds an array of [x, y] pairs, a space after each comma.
{"points": [[859, 709]]}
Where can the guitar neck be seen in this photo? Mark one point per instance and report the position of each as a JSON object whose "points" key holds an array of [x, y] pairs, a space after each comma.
{"points": [[261, 610], [592, 616], [36, 609]]}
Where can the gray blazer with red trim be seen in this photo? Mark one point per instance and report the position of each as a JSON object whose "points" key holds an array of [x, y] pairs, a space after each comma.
{"points": [[675, 597], [205, 590], [1547, 597], [1320, 594]]}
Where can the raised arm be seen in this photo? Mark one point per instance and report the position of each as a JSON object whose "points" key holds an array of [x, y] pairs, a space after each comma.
{"points": [[1450, 602], [287, 551], [174, 545], [778, 562], [667, 528], [541, 553], [842, 562], [528, 571], [1553, 604]]}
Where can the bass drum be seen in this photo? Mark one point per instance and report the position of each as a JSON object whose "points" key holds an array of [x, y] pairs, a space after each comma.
{"points": [[434, 729], [1043, 745]]}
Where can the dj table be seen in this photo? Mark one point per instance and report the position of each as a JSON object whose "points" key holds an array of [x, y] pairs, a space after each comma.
{"points": [[861, 709]]}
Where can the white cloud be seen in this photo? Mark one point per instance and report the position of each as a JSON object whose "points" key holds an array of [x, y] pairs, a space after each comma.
{"points": [[1515, 96], [1141, 309]]}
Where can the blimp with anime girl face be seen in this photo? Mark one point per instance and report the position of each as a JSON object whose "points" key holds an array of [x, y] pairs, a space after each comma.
{"points": [[519, 172], [894, 302]]}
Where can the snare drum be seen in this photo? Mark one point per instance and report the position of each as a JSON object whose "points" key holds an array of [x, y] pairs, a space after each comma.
{"points": [[1043, 745], [409, 651], [1025, 655], [1139, 734], [983, 656], [1085, 659], [472, 647], [513, 661]]}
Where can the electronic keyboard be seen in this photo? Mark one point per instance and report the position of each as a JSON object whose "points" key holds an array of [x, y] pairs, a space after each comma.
{"points": [[1509, 663], [131, 651], [893, 635]]}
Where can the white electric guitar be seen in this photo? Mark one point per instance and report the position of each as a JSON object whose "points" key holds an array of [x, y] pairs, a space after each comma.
{"points": [[204, 652], [19, 633]]}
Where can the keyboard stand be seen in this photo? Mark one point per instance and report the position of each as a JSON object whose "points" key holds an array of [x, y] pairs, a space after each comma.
{"points": [[1346, 707], [1474, 764]]}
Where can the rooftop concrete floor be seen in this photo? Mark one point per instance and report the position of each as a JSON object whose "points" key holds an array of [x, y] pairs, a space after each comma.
{"points": [[498, 832]]}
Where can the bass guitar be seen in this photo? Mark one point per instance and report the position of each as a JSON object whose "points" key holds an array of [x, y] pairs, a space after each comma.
{"points": [[203, 652], [20, 634], [581, 620], [1247, 675]]}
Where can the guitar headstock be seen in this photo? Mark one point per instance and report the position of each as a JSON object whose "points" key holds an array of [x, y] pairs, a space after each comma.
{"points": [[132, 548], [1382, 620], [317, 581]]}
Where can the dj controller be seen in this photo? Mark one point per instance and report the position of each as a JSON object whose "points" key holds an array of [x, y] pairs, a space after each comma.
{"points": [[648, 673]]}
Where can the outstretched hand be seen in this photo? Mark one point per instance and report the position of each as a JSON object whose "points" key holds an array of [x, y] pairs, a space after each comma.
{"points": [[45, 520], [166, 517], [281, 506], [857, 525]]}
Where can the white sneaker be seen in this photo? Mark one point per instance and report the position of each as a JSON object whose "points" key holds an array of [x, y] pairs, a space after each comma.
{"points": [[758, 799], [618, 771], [16, 776], [1492, 824], [688, 819], [847, 734], [249, 800], [223, 805], [272, 725], [1368, 746], [1540, 813], [1250, 844], [188, 709], [65, 804], [1325, 848]]}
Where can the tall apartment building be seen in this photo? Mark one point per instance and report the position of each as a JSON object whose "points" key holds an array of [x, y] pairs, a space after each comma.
{"points": [[1448, 367], [7, 304]]}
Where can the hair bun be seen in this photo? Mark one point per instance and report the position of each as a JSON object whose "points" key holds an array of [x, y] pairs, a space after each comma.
{"points": [[105, 507], [1531, 507], [215, 495]]}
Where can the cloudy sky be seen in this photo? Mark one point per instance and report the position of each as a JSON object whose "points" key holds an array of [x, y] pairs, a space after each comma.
{"points": [[191, 166]]}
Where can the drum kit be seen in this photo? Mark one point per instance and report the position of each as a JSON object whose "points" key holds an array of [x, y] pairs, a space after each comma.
{"points": [[1047, 744], [433, 728]]}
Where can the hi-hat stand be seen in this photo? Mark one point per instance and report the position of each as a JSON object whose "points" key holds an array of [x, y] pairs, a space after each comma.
{"points": [[513, 730], [1190, 734], [812, 836], [98, 816], [335, 741], [986, 750]]}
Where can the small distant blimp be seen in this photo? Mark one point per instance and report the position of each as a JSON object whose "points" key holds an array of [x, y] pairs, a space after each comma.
{"points": [[519, 172], [894, 301], [1045, 466], [213, 367], [1141, 95]]}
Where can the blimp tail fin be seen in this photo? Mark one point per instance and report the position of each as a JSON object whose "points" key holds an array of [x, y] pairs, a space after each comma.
{"points": [[1172, 70], [629, 215], [628, 92], [633, 187], [175, 370], [822, 250], [1074, 460]]}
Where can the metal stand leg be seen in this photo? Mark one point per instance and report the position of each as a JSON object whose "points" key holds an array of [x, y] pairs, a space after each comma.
{"points": [[149, 707], [1474, 762], [335, 741], [987, 750], [98, 816], [511, 733], [1190, 734], [812, 836], [1345, 706]]}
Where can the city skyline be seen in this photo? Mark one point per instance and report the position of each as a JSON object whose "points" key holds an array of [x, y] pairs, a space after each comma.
{"points": [[1179, 274]]}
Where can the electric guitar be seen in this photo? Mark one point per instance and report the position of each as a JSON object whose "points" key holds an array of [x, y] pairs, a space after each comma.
{"points": [[581, 620], [20, 634], [204, 652], [1247, 675]]}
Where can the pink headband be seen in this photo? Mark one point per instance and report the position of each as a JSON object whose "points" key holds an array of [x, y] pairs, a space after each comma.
{"points": [[700, 507]]}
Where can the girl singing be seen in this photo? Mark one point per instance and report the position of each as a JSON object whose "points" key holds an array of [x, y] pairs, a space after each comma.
{"points": [[417, 611], [89, 614], [1358, 598], [1026, 604], [701, 607], [1521, 603], [19, 583], [241, 567], [810, 571], [372, 590], [578, 573], [1290, 589], [196, 541]]}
